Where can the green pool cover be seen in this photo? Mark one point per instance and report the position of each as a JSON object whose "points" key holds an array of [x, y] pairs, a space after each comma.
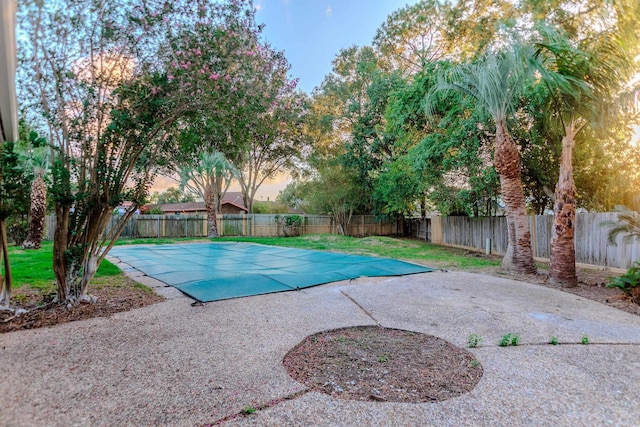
{"points": [[216, 271]]}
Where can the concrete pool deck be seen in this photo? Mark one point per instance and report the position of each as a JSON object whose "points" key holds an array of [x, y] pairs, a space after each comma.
{"points": [[179, 365]]}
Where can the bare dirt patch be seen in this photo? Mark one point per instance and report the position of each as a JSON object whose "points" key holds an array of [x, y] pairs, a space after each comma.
{"points": [[372, 363], [122, 294]]}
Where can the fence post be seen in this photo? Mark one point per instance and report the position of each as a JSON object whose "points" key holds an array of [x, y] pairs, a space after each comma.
{"points": [[244, 223], [186, 226], [158, 226]]}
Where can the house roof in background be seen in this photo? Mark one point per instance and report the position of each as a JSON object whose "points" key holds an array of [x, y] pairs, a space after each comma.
{"points": [[232, 198]]}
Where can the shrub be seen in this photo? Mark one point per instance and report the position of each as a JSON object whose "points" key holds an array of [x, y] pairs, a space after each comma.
{"points": [[627, 281], [156, 211]]}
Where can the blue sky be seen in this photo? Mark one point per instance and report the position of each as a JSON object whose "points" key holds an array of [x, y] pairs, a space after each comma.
{"points": [[312, 32]]}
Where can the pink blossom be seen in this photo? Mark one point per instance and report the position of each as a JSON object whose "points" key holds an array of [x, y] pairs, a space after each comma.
{"points": [[227, 78], [250, 53], [214, 76], [165, 19], [170, 77], [198, 52]]}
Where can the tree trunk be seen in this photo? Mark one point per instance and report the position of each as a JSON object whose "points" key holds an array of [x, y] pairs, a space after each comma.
{"points": [[38, 213], [518, 257], [210, 203], [562, 269], [5, 281], [60, 245]]}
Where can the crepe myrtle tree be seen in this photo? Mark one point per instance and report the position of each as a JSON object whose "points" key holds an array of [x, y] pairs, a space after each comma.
{"points": [[99, 74]]}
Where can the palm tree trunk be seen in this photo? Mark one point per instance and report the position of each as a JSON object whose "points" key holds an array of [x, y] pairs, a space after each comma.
{"points": [[210, 203], [562, 269], [38, 213], [518, 257]]}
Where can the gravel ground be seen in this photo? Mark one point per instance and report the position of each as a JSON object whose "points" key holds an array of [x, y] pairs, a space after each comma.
{"points": [[179, 365]]}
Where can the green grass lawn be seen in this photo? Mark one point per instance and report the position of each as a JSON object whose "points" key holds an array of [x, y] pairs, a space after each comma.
{"points": [[388, 247], [412, 250], [35, 269]]}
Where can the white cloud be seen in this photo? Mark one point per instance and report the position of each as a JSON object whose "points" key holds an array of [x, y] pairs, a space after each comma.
{"points": [[328, 12], [258, 7]]}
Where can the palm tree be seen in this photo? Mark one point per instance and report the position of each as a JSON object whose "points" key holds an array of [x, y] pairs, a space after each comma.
{"points": [[496, 81], [39, 165], [586, 90], [210, 179]]}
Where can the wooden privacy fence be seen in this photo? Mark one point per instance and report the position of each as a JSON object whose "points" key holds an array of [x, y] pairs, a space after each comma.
{"points": [[592, 246], [591, 242], [254, 225]]}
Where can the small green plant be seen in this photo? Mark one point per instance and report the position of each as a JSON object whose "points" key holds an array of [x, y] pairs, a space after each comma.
{"points": [[474, 363], [628, 280], [248, 410], [474, 340], [509, 339], [584, 340], [553, 340], [384, 358]]}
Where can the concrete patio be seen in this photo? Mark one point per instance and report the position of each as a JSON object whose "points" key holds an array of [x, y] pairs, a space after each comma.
{"points": [[179, 365]]}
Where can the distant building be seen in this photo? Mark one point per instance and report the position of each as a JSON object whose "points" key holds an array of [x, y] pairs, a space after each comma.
{"points": [[232, 203], [125, 206]]}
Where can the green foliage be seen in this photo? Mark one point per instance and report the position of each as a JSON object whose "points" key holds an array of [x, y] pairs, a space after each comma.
{"points": [[584, 340], [14, 182], [474, 340], [628, 222], [553, 340], [509, 339], [172, 195], [628, 281], [156, 210], [428, 152], [17, 230], [290, 224], [383, 358], [292, 196], [269, 208], [333, 191], [292, 220], [248, 410]]}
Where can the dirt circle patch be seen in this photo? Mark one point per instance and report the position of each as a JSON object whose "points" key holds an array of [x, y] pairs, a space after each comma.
{"points": [[381, 364]]}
